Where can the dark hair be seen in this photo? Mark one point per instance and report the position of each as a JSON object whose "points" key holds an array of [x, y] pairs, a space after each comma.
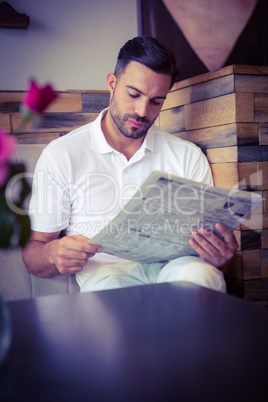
{"points": [[149, 52]]}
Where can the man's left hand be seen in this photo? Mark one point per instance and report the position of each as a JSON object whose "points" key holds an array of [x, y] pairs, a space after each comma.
{"points": [[214, 250]]}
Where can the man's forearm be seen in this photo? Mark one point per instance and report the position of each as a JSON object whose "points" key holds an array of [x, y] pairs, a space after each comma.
{"points": [[37, 259]]}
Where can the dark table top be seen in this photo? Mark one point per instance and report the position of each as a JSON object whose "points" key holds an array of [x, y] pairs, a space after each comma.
{"points": [[166, 342]]}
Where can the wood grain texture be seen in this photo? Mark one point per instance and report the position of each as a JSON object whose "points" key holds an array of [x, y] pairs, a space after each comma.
{"points": [[212, 89], [248, 176], [211, 137], [37, 138], [56, 122], [261, 107], [263, 133], [264, 263], [232, 69], [262, 175], [244, 108], [5, 122], [236, 269], [220, 155], [251, 239], [10, 101], [253, 153], [225, 175], [95, 102], [66, 103], [177, 98], [204, 77], [211, 112], [265, 203], [247, 69], [251, 264], [255, 222], [251, 83], [172, 120], [256, 289], [247, 134]]}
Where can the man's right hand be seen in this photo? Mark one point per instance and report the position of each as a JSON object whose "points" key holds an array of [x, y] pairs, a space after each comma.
{"points": [[70, 254], [46, 255]]}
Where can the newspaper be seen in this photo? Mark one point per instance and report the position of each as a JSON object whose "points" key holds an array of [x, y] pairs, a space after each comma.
{"points": [[156, 224]]}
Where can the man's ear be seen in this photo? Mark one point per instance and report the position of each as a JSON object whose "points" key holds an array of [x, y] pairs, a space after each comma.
{"points": [[111, 81]]}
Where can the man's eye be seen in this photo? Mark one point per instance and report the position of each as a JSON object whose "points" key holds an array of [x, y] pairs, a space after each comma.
{"points": [[155, 102], [133, 95]]}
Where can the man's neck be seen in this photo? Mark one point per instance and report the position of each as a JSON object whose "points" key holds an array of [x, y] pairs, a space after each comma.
{"points": [[124, 145]]}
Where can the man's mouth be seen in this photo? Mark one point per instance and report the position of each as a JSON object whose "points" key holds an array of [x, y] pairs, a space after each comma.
{"points": [[135, 123]]}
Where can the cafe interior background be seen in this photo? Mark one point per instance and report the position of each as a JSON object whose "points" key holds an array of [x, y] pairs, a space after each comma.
{"points": [[74, 44]]}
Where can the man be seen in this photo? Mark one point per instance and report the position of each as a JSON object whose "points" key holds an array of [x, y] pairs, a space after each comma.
{"points": [[88, 174]]}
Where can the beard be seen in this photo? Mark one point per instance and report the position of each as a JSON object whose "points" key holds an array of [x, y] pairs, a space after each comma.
{"points": [[121, 122]]}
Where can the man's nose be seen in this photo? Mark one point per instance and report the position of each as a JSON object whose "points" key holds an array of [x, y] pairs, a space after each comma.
{"points": [[141, 107]]}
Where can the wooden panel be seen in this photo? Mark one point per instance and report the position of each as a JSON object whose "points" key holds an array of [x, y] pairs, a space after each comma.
{"points": [[212, 137], [56, 121], [237, 69], [251, 264], [37, 138], [251, 83], [177, 98], [248, 176], [95, 102], [225, 175], [212, 89], [173, 120], [264, 263], [253, 153], [66, 102], [10, 101], [5, 122], [247, 69], [251, 239], [211, 112], [260, 208], [265, 204], [244, 108], [204, 77], [248, 134], [263, 175], [261, 108], [255, 221], [264, 238], [218, 155], [236, 269], [256, 289], [263, 133]]}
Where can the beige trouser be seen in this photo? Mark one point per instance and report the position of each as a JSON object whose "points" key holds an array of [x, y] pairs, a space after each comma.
{"points": [[189, 268]]}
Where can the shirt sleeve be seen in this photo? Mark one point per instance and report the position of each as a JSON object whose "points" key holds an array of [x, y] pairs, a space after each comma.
{"points": [[49, 207], [198, 168]]}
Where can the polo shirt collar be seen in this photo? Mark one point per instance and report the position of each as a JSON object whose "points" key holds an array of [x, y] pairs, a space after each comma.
{"points": [[98, 140], [100, 145]]}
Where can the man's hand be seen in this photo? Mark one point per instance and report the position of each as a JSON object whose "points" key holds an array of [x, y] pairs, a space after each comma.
{"points": [[71, 253], [212, 249]]}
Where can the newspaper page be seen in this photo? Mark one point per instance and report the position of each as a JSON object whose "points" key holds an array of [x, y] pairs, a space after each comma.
{"points": [[156, 224]]}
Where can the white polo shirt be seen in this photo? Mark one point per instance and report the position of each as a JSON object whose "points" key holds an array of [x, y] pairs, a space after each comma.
{"points": [[81, 182]]}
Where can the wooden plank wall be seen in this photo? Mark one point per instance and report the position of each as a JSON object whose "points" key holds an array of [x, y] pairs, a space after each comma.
{"points": [[71, 110], [226, 113]]}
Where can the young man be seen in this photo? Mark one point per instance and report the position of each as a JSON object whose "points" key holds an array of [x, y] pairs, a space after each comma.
{"points": [[83, 179]]}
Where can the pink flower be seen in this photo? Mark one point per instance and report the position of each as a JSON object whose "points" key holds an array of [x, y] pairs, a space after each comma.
{"points": [[7, 147], [37, 99]]}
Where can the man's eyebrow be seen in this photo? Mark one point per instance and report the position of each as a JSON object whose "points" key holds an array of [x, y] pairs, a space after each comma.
{"points": [[140, 92]]}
